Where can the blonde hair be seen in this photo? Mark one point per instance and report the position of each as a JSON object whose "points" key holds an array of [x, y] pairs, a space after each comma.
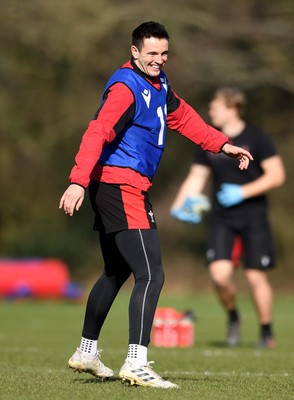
{"points": [[233, 98]]}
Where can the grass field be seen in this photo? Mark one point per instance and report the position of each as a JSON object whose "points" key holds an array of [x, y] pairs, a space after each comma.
{"points": [[37, 338]]}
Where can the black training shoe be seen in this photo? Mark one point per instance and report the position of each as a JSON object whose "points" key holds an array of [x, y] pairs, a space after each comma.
{"points": [[233, 336], [268, 342]]}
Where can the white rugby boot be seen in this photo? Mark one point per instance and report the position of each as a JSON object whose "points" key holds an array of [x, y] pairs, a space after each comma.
{"points": [[80, 362], [143, 376]]}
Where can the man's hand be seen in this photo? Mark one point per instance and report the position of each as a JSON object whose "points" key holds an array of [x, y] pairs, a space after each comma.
{"points": [[184, 216], [191, 211], [72, 199], [230, 195], [240, 154]]}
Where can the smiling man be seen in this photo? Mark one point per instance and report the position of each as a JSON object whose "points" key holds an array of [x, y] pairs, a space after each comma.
{"points": [[118, 157]]}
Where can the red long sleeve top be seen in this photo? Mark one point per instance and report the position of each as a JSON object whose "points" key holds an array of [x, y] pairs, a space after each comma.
{"points": [[118, 110]]}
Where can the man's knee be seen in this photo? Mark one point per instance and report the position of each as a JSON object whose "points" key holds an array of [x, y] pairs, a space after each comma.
{"points": [[154, 277], [256, 278], [221, 272], [159, 278]]}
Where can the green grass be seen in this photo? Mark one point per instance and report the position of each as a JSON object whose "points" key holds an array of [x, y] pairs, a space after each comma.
{"points": [[37, 338]]}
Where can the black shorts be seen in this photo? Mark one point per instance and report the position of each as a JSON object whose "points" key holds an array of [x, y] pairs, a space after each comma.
{"points": [[256, 237], [120, 207]]}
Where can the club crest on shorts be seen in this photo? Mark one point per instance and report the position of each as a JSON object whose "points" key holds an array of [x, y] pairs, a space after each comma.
{"points": [[151, 217]]}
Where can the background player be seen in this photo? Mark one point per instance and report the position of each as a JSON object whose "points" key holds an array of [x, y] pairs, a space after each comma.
{"points": [[239, 209]]}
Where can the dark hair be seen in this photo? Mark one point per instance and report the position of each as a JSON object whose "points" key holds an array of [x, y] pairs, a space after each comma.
{"points": [[233, 97], [148, 30]]}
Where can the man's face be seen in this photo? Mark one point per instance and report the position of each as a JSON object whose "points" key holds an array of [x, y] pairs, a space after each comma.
{"points": [[152, 57], [219, 113]]}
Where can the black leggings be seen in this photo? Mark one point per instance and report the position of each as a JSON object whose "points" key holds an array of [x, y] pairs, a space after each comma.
{"points": [[136, 252]]}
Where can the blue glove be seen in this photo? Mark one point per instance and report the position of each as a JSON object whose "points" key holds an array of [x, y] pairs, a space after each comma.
{"points": [[230, 195], [192, 209], [184, 216]]}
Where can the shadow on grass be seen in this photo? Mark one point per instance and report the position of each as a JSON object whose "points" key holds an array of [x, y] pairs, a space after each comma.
{"points": [[96, 381], [222, 344]]}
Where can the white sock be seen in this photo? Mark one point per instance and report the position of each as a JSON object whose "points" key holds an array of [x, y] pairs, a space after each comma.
{"points": [[89, 347], [137, 354]]}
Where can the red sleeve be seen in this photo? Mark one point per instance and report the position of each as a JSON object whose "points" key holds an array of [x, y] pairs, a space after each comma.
{"points": [[185, 120], [100, 132]]}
